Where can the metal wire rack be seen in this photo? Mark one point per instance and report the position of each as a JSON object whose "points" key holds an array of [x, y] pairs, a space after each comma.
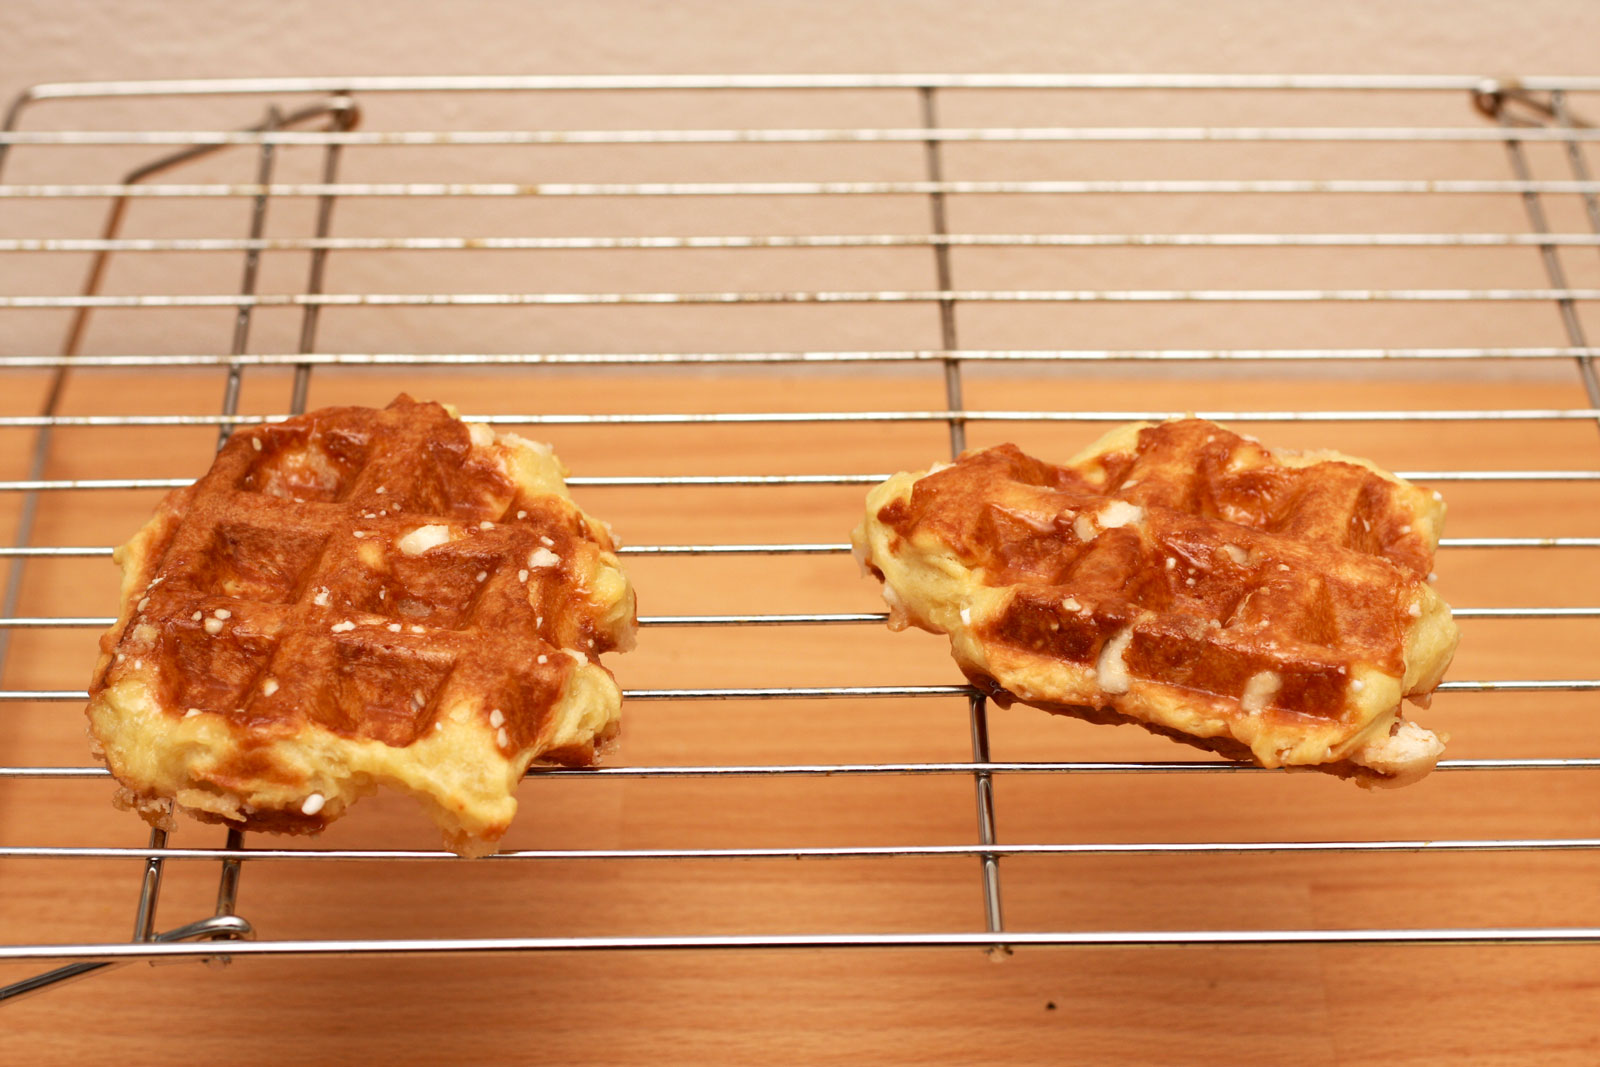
{"points": [[657, 235]]}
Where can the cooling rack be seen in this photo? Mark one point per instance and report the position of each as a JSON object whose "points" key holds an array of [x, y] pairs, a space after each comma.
{"points": [[734, 303]]}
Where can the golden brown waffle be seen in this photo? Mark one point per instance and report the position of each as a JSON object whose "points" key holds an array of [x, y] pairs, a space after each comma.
{"points": [[358, 597], [1266, 605]]}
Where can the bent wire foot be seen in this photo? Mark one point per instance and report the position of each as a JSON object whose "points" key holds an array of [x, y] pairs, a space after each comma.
{"points": [[216, 928]]}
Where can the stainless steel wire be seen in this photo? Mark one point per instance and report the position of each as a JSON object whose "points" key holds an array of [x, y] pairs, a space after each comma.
{"points": [[40, 485], [851, 692], [1360, 83], [1551, 123], [822, 548], [802, 296], [1118, 938], [55, 622], [1051, 187], [827, 770], [912, 135], [745, 418], [970, 355], [983, 850]]}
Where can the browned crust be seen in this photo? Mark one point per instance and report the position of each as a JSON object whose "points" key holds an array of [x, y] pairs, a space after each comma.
{"points": [[1226, 747], [158, 811]]}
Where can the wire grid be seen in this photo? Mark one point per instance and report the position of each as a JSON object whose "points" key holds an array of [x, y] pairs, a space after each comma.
{"points": [[321, 126]]}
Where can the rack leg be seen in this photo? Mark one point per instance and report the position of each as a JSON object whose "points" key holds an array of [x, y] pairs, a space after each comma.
{"points": [[984, 783]]}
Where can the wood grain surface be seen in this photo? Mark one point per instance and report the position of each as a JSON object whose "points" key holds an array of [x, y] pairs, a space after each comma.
{"points": [[1478, 1004]]}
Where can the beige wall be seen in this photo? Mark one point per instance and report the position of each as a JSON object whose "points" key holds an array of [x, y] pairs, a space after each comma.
{"points": [[67, 40], [77, 39]]}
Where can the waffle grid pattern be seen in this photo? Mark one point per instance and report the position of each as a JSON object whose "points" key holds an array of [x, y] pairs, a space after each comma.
{"points": [[1182, 575], [370, 576]]}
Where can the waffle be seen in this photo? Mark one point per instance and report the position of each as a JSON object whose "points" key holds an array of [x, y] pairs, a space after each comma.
{"points": [[355, 598], [1267, 605]]}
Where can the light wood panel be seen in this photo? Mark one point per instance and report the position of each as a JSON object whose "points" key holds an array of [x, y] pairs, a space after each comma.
{"points": [[1353, 1005]]}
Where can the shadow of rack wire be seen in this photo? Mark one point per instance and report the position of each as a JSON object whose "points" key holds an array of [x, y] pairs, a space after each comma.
{"points": [[735, 302]]}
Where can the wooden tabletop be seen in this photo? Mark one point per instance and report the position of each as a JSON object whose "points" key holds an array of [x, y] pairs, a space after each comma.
{"points": [[1331, 1004]]}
